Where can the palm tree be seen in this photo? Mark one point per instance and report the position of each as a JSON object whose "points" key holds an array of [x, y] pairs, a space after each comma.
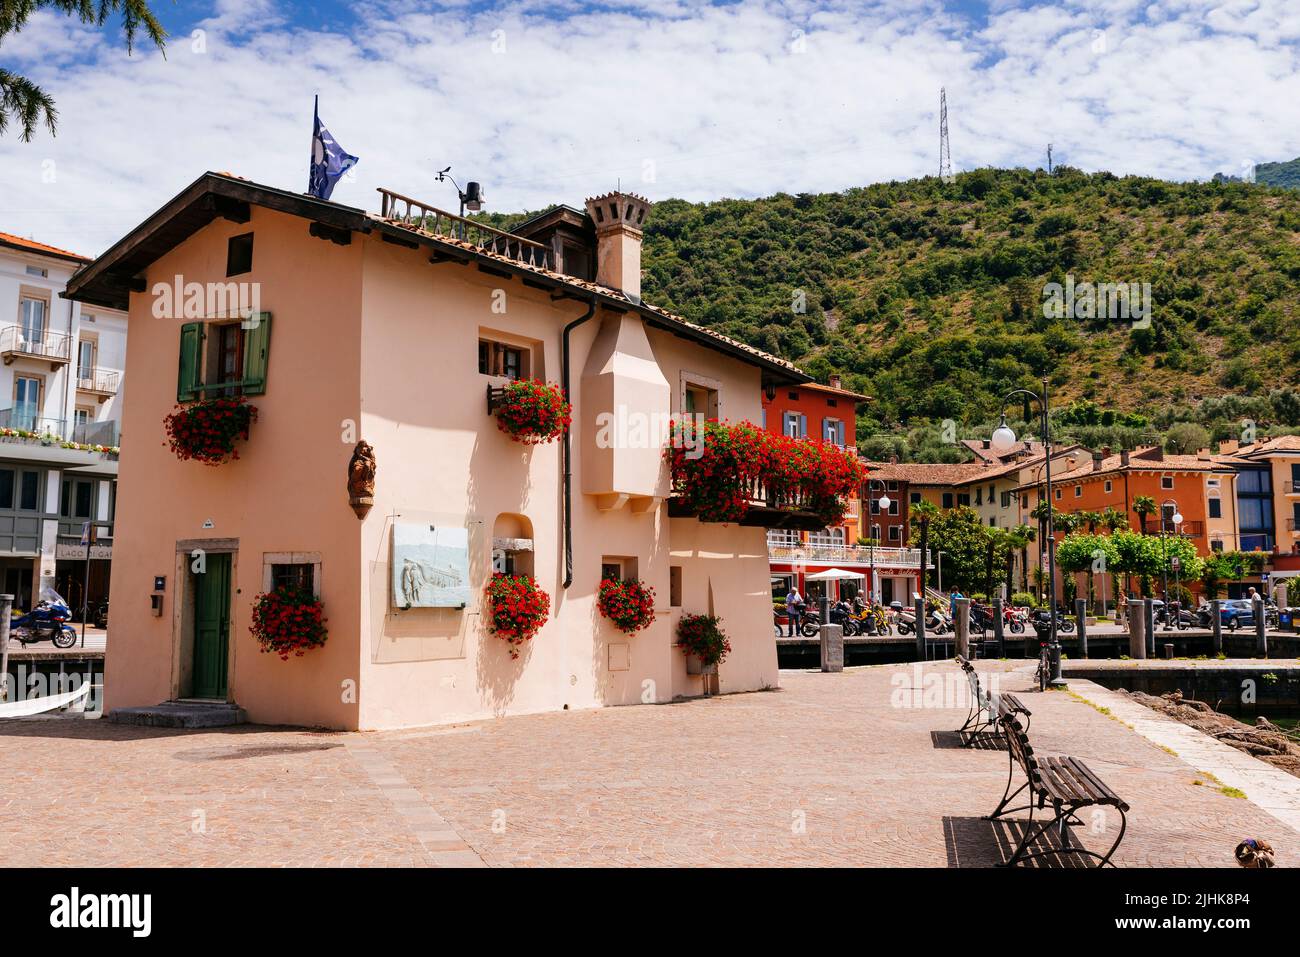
{"points": [[24, 101], [1018, 539], [1143, 506], [1114, 519], [995, 540], [922, 513]]}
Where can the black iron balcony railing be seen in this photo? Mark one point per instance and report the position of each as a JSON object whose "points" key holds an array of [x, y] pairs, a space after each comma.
{"points": [[397, 208], [99, 381], [16, 341]]}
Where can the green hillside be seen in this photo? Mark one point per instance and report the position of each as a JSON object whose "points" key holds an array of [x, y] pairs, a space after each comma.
{"points": [[929, 296], [1279, 174]]}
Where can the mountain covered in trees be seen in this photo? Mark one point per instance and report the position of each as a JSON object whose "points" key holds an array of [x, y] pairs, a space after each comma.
{"points": [[929, 297]]}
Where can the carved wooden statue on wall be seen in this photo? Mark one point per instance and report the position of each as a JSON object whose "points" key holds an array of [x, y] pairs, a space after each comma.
{"points": [[361, 479]]}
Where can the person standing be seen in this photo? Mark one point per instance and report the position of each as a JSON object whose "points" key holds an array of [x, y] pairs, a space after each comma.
{"points": [[793, 608]]}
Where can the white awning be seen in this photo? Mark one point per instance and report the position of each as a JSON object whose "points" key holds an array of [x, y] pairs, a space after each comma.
{"points": [[832, 574]]}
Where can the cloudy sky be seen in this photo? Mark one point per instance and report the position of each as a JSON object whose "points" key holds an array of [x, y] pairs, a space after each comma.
{"points": [[553, 100]]}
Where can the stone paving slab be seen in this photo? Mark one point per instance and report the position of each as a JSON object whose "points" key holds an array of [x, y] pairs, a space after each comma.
{"points": [[849, 769], [1265, 786]]}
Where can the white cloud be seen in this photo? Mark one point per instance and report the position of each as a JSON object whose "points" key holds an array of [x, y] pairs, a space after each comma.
{"points": [[717, 100]]}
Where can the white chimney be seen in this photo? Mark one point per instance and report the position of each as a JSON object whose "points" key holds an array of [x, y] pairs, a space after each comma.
{"points": [[618, 218]]}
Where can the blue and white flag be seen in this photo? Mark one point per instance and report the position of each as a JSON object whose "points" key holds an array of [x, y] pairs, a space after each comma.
{"points": [[329, 161]]}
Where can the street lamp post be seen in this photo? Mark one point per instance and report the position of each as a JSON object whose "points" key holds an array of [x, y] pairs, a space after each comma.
{"points": [[1002, 441], [1176, 519], [872, 504]]}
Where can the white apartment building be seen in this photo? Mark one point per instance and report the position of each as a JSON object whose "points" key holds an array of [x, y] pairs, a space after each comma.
{"points": [[60, 402]]}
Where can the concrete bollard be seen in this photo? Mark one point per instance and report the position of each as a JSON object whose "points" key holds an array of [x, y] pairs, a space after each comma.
{"points": [[1081, 618], [1261, 628], [1137, 628], [1169, 652], [1149, 616], [918, 608], [6, 608], [961, 626], [1216, 625], [832, 648], [999, 632]]}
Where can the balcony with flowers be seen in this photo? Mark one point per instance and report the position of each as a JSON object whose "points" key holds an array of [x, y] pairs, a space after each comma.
{"points": [[742, 474]]}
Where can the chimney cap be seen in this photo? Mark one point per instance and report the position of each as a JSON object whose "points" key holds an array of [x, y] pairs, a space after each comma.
{"points": [[618, 209]]}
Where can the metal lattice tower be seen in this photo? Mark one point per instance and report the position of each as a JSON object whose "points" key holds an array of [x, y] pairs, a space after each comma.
{"points": [[945, 155], [1049, 159]]}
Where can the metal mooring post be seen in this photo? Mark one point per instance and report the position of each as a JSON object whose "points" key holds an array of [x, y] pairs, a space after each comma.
{"points": [[919, 610], [1081, 616], [6, 609]]}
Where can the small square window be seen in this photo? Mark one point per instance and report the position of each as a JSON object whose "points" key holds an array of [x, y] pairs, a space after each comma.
{"points": [[239, 254], [1108, 485], [1166, 481], [299, 575], [1078, 491], [500, 359]]}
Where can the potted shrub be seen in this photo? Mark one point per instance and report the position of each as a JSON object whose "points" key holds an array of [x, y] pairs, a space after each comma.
{"points": [[704, 643], [518, 609], [531, 411], [629, 604], [206, 430], [288, 621]]}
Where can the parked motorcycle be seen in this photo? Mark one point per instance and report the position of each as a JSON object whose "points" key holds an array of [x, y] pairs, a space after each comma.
{"points": [[841, 614], [101, 614], [48, 621]]}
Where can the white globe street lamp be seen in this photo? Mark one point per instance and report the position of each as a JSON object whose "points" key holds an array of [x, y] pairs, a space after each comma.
{"points": [[1003, 439]]}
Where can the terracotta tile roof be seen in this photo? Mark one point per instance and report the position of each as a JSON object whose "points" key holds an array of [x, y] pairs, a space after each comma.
{"points": [[962, 473], [608, 291], [928, 473], [1281, 443], [1146, 460], [832, 390], [977, 448], [17, 242]]}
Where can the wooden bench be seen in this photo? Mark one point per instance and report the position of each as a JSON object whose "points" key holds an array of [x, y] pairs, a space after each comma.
{"points": [[986, 707], [1066, 784]]}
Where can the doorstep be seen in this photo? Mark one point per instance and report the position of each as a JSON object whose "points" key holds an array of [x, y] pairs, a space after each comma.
{"points": [[189, 713]]}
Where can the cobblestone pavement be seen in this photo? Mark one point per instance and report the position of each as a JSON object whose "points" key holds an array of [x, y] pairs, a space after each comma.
{"points": [[826, 771]]}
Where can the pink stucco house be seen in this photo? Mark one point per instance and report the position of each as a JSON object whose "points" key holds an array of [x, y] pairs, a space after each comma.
{"points": [[389, 328]]}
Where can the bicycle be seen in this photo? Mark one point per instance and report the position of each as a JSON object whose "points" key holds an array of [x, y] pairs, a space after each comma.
{"points": [[1044, 673]]}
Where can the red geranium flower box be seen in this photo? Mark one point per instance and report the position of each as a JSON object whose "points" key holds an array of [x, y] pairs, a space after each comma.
{"points": [[207, 430]]}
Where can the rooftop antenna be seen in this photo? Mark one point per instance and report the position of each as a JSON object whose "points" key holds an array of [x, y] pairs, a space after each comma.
{"points": [[945, 155]]}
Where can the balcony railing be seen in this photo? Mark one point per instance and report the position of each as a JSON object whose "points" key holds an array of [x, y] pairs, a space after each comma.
{"points": [[847, 555], [53, 347], [397, 208], [767, 509], [85, 433], [99, 381]]}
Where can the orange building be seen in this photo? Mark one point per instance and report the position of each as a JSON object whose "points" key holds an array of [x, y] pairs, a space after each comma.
{"points": [[826, 412], [1200, 488]]}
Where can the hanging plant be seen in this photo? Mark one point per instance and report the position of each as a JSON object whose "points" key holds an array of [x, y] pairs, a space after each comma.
{"points": [[288, 621], [719, 469], [518, 609], [629, 604], [532, 411], [702, 636], [715, 466], [207, 430]]}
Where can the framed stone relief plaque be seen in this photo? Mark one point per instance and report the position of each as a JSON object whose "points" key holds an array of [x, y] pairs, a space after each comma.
{"points": [[430, 566]]}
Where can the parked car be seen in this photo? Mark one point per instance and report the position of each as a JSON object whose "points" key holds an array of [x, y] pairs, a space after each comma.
{"points": [[1240, 613]]}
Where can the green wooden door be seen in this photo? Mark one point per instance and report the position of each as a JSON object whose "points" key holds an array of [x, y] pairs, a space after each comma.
{"points": [[211, 627]]}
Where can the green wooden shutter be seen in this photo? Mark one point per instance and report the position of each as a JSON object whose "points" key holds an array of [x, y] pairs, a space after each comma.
{"points": [[257, 347], [187, 381]]}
